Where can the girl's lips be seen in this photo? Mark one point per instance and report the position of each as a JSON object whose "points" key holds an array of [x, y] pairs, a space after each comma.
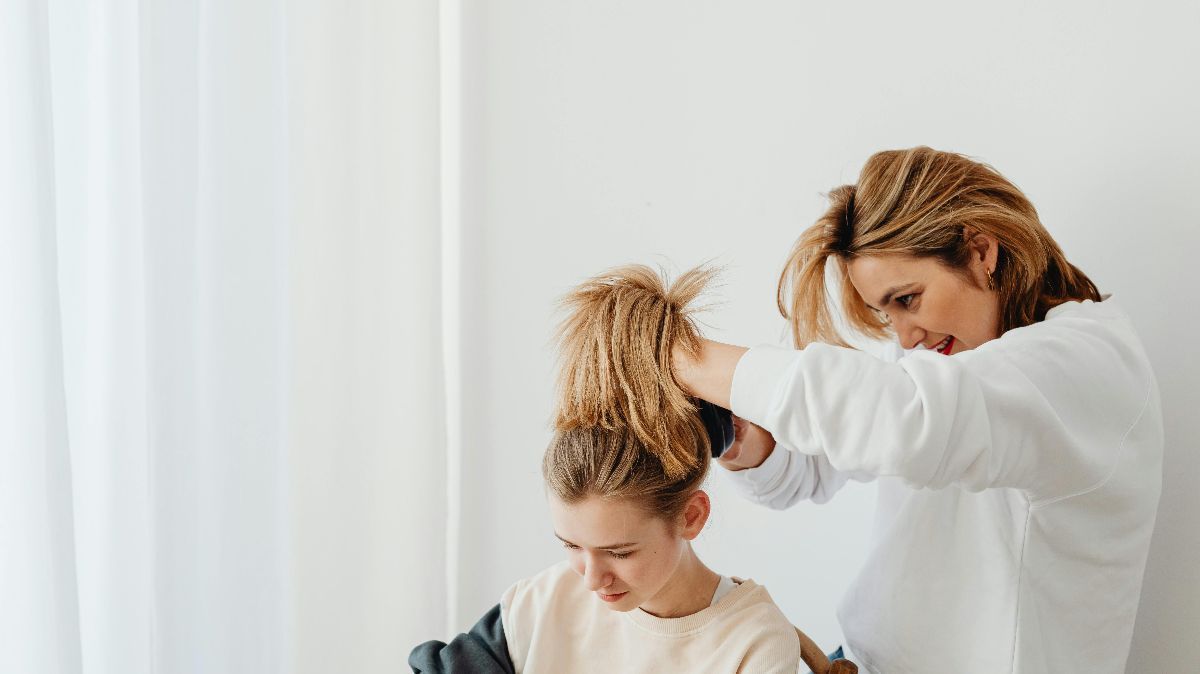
{"points": [[612, 597]]}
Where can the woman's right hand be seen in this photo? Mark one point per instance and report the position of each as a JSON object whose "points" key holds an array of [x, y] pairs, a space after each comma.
{"points": [[751, 446]]}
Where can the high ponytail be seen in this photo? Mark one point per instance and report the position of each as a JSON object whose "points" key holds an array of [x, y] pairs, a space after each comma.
{"points": [[615, 349], [624, 426]]}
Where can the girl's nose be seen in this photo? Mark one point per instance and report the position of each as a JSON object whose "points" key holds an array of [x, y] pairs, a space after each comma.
{"points": [[596, 577]]}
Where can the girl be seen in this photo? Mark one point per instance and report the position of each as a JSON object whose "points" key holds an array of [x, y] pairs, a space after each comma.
{"points": [[623, 475]]}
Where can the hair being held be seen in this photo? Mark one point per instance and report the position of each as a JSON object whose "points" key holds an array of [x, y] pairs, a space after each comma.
{"points": [[624, 427]]}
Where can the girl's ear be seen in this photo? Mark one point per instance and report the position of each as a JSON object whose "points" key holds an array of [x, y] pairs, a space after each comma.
{"points": [[695, 514]]}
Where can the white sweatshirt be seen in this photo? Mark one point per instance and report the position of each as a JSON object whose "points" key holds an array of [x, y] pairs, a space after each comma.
{"points": [[553, 624], [1018, 488]]}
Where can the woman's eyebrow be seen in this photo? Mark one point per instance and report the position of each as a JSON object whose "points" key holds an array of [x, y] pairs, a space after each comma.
{"points": [[618, 546], [892, 291]]}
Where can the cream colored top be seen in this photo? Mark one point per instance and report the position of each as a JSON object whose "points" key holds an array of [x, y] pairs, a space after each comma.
{"points": [[553, 624]]}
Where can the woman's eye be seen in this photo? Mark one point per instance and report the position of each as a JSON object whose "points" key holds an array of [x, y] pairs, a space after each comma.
{"points": [[907, 299], [620, 555], [569, 546]]}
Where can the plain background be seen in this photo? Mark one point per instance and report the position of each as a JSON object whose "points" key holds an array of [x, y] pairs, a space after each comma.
{"points": [[594, 134]]}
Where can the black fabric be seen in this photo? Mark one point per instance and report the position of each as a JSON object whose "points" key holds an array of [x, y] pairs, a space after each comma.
{"points": [[483, 650], [718, 421]]}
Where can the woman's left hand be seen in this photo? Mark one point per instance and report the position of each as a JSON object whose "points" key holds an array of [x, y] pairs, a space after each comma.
{"points": [[751, 446]]}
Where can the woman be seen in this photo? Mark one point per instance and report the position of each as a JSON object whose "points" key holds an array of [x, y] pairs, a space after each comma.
{"points": [[1017, 444], [624, 474]]}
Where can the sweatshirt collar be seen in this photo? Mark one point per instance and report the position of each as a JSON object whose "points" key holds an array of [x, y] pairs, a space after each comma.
{"points": [[697, 621]]}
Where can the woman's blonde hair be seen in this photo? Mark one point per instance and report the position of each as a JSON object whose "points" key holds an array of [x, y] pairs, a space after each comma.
{"points": [[624, 427], [920, 202]]}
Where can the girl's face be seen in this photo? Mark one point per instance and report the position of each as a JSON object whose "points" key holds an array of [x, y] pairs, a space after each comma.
{"points": [[626, 556], [929, 304]]}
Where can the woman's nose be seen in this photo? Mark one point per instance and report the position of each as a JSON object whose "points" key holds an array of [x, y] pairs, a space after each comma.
{"points": [[910, 335]]}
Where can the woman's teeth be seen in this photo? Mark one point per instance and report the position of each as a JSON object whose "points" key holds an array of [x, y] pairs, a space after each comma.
{"points": [[945, 344]]}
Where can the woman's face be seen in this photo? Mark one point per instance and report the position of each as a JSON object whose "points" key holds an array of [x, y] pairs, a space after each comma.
{"points": [[929, 304], [624, 555]]}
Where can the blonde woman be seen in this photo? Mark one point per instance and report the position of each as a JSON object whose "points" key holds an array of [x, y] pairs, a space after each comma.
{"points": [[624, 476], [1015, 433]]}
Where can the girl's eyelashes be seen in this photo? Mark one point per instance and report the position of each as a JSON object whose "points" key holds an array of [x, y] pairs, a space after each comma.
{"points": [[618, 555], [906, 300]]}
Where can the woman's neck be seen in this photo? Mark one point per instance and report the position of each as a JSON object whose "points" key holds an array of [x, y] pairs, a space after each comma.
{"points": [[689, 591]]}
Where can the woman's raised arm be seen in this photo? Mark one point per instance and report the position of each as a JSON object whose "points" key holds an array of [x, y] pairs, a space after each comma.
{"points": [[708, 374]]}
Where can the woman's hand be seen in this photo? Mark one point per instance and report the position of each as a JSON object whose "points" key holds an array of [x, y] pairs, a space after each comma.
{"points": [[751, 446]]}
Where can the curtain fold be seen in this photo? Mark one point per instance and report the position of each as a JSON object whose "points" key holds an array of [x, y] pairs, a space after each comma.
{"points": [[223, 415], [39, 615]]}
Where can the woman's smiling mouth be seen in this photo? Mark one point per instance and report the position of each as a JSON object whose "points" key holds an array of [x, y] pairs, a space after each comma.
{"points": [[612, 597], [945, 345]]}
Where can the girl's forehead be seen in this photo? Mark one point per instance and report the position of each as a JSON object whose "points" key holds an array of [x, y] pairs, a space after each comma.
{"points": [[597, 522]]}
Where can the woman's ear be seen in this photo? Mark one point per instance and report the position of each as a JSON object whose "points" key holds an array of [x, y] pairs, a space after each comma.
{"points": [[695, 514], [985, 250]]}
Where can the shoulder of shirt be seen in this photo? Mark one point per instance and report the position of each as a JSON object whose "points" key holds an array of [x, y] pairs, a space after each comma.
{"points": [[556, 583], [770, 640], [526, 602], [1094, 321], [755, 617], [1069, 317]]}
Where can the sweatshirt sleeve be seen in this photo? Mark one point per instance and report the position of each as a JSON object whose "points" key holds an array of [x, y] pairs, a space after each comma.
{"points": [[483, 650], [1043, 415], [788, 477]]}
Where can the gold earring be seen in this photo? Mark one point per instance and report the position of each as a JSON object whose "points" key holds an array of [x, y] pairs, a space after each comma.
{"points": [[991, 283]]}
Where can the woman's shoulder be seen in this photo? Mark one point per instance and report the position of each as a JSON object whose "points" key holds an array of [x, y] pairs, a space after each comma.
{"points": [[1074, 314], [1089, 334]]}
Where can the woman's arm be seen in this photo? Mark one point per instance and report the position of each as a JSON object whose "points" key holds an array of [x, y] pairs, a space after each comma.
{"points": [[1045, 410], [787, 477], [709, 375], [751, 446]]}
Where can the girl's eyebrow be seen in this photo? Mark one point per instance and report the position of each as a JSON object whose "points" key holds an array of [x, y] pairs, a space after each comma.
{"points": [[618, 546]]}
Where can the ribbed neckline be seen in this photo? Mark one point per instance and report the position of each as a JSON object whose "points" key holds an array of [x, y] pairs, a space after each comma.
{"points": [[696, 621]]}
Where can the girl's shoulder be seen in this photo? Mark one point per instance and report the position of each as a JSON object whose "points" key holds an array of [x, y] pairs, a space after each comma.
{"points": [[553, 584]]}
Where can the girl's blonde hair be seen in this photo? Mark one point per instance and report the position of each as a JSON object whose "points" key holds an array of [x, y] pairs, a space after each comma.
{"points": [[919, 202], [624, 427]]}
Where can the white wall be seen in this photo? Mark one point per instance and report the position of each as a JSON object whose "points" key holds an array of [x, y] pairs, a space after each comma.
{"points": [[598, 133]]}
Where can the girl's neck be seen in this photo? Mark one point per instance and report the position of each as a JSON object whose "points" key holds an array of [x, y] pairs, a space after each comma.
{"points": [[689, 591]]}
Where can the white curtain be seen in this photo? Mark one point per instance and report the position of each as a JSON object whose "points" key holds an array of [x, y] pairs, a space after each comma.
{"points": [[222, 400]]}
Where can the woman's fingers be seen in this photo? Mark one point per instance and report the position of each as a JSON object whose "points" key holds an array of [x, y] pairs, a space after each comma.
{"points": [[729, 458]]}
